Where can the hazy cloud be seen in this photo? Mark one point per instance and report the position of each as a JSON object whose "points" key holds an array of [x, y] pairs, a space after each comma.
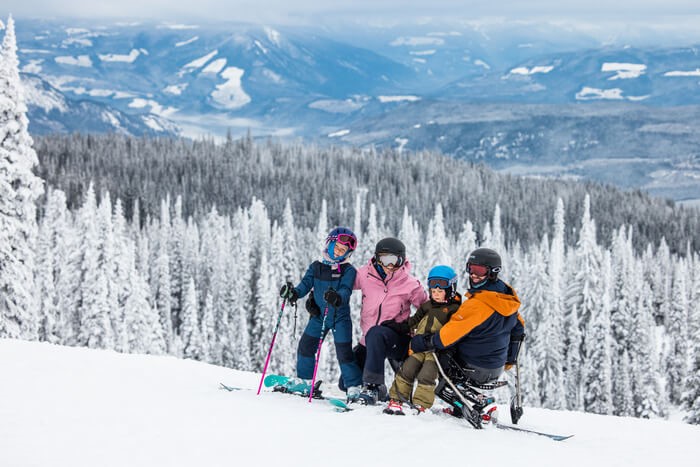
{"points": [[287, 11]]}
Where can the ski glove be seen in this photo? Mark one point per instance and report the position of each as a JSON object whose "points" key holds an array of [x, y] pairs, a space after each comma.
{"points": [[422, 343], [312, 307], [332, 297], [288, 292], [399, 328]]}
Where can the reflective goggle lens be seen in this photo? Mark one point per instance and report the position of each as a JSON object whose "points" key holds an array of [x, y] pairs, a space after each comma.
{"points": [[389, 260], [478, 269], [347, 240], [438, 283]]}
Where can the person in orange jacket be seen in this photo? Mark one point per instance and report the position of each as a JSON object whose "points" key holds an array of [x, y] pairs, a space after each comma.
{"points": [[487, 329]]}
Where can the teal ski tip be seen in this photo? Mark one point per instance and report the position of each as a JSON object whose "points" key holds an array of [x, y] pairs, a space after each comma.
{"points": [[339, 405]]}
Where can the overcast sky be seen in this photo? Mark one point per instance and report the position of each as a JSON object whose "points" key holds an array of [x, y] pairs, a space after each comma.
{"points": [[291, 11]]}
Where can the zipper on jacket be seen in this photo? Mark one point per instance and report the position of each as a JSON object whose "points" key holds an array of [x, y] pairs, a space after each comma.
{"points": [[379, 315]]}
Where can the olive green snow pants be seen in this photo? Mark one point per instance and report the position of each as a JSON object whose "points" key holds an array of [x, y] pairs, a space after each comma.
{"points": [[421, 367]]}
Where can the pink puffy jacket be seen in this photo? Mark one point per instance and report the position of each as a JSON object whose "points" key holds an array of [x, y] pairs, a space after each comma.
{"points": [[390, 299]]}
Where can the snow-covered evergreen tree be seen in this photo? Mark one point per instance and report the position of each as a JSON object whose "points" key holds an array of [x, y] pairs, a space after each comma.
{"points": [[19, 190], [597, 369], [161, 279], [553, 389], [677, 325], [243, 310], [190, 331], [535, 307], [623, 398], [51, 258]]}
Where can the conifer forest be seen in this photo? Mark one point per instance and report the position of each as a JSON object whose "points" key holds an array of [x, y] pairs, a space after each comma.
{"points": [[179, 247]]}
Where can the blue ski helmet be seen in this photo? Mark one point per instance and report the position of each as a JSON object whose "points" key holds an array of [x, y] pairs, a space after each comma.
{"points": [[344, 236], [443, 277]]}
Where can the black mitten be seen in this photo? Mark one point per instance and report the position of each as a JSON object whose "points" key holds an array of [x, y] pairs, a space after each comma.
{"points": [[332, 297]]}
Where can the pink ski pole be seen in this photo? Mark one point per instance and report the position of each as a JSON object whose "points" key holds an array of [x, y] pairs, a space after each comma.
{"points": [[269, 352], [318, 353]]}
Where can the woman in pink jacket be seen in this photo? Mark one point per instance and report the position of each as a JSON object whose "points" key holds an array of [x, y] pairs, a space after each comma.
{"points": [[388, 291]]}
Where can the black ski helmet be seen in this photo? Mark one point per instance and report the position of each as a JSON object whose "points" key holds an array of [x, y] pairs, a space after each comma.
{"points": [[391, 245], [486, 257]]}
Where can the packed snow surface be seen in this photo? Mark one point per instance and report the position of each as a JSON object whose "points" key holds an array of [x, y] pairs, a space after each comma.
{"points": [[63, 406]]}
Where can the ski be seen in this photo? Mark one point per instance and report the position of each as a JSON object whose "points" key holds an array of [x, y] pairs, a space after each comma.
{"points": [[287, 385], [534, 432], [231, 388], [339, 405]]}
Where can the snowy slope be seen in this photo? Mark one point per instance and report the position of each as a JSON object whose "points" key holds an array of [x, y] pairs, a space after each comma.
{"points": [[75, 407]]}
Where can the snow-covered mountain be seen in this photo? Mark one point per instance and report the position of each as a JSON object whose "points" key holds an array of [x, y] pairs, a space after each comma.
{"points": [[555, 98], [210, 78], [623, 144], [64, 406], [51, 111]]}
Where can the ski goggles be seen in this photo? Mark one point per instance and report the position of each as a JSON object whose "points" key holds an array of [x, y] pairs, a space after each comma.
{"points": [[439, 283], [345, 239], [390, 260], [478, 269]]}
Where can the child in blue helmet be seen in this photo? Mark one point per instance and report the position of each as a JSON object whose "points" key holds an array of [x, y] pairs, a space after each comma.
{"points": [[330, 280], [430, 316]]}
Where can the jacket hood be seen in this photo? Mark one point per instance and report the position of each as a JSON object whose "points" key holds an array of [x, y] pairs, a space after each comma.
{"points": [[504, 304]]}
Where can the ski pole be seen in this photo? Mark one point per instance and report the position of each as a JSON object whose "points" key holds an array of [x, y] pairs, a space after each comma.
{"points": [[318, 353], [516, 406], [272, 344]]}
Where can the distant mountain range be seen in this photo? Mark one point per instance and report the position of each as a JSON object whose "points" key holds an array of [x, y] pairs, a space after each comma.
{"points": [[544, 101]]}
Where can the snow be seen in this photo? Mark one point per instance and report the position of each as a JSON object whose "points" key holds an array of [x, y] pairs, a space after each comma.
{"points": [[336, 105], [34, 66], [175, 89], [216, 66], [35, 95], [200, 62], [230, 95], [338, 133], [624, 70], [188, 41], [178, 27], [259, 45], [156, 108], [695, 72], [152, 123], [273, 36], [74, 31], [417, 41], [401, 143], [81, 41], [133, 55], [272, 76], [422, 52], [523, 70], [64, 406], [386, 99], [80, 60], [110, 118], [588, 93], [481, 63]]}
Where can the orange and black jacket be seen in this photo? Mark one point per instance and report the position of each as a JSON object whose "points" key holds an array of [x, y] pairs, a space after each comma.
{"points": [[482, 327]]}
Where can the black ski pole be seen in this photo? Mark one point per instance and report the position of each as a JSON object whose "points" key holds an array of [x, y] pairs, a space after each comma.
{"points": [[516, 404]]}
